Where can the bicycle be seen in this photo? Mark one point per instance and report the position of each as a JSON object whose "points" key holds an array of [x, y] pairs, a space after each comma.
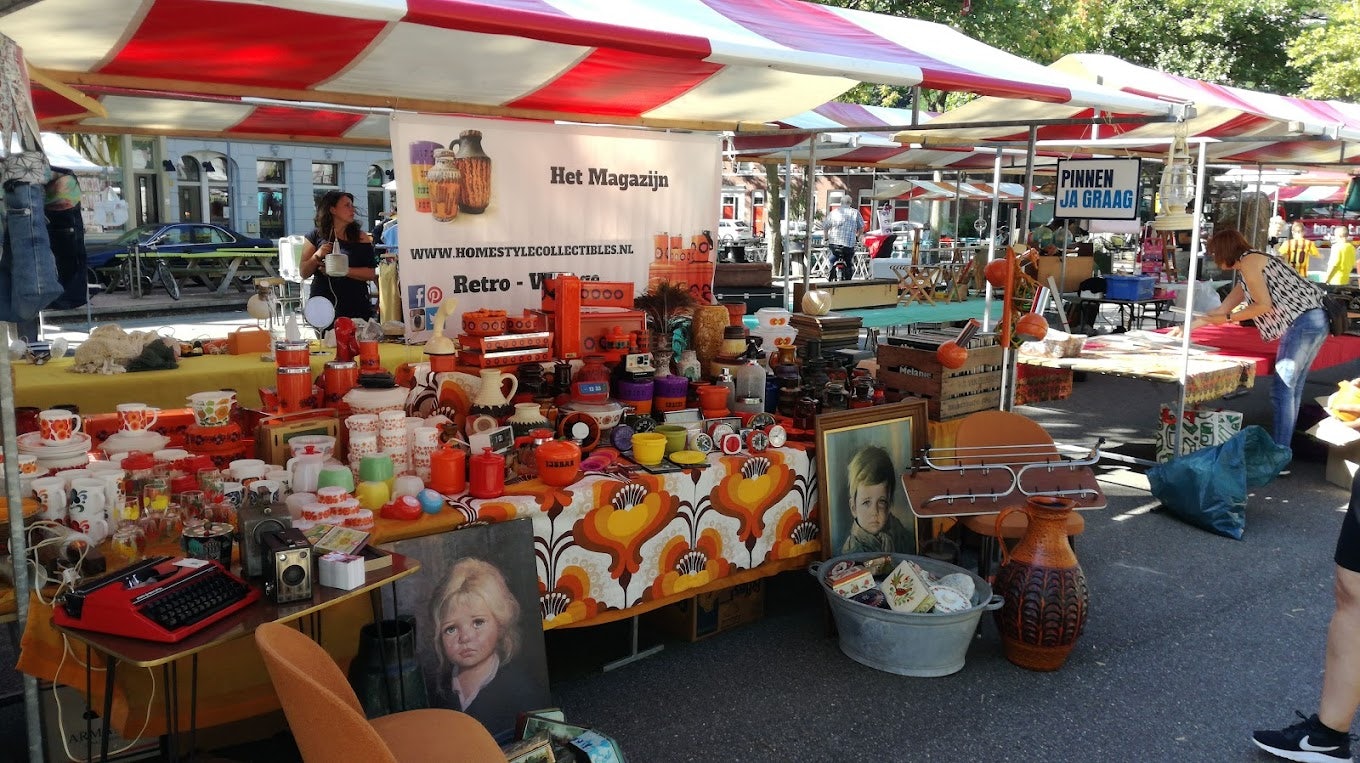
{"points": [[161, 273]]}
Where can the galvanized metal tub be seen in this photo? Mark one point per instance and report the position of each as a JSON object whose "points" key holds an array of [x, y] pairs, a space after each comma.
{"points": [[906, 643]]}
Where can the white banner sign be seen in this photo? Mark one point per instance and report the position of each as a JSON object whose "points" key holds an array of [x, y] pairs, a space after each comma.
{"points": [[488, 208], [1097, 189]]}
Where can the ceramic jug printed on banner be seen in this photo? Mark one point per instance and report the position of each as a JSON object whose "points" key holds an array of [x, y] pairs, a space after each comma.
{"points": [[493, 399]]}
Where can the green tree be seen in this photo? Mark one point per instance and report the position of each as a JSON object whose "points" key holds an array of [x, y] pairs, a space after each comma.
{"points": [[1039, 31], [1232, 42], [1325, 54]]}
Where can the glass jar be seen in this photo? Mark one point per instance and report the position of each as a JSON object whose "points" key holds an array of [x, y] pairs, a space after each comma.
{"points": [[446, 186], [835, 397], [862, 392]]}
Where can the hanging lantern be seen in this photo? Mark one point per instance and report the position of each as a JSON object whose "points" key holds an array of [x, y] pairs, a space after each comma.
{"points": [[1177, 188]]}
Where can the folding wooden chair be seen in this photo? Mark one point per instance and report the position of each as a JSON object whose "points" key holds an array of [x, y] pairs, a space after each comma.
{"points": [[956, 287], [914, 283]]}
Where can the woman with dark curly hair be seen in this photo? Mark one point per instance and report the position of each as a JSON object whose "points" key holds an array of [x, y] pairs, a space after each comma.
{"points": [[1283, 306], [337, 226]]}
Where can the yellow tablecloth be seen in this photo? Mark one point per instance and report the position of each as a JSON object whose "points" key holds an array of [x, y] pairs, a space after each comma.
{"points": [[54, 384]]}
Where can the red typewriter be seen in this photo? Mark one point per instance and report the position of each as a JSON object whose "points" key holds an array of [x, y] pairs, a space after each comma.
{"points": [[163, 598]]}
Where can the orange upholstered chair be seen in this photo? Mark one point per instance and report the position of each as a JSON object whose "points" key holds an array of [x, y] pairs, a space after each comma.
{"points": [[1005, 428], [328, 723]]}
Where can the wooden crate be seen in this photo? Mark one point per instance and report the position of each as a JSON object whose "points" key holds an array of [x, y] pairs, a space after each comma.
{"points": [[728, 274], [976, 386], [852, 295]]}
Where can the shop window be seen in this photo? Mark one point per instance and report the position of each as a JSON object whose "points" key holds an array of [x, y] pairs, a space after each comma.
{"points": [[272, 197], [187, 170], [325, 177]]}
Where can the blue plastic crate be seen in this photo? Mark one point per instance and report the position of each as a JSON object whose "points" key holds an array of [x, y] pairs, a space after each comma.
{"points": [[1129, 287]]}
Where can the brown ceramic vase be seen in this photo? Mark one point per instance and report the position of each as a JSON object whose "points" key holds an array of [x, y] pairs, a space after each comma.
{"points": [[1045, 592]]}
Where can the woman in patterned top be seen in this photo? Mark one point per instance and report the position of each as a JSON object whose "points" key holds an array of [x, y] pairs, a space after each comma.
{"points": [[1284, 306]]}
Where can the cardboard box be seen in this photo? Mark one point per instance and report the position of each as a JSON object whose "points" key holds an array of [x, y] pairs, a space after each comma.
{"points": [[1200, 428], [710, 613], [71, 705], [1343, 450]]}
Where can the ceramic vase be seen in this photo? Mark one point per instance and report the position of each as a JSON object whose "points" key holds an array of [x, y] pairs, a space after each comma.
{"points": [[1044, 588], [493, 399], [527, 417]]}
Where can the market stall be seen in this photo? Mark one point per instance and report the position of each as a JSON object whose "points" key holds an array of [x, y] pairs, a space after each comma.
{"points": [[717, 66]]}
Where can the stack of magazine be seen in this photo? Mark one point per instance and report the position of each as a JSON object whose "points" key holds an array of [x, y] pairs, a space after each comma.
{"points": [[546, 737]]}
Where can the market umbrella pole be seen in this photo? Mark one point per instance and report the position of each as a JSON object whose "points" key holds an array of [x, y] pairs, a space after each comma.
{"points": [[18, 549], [1008, 369], [787, 228], [991, 242], [1192, 269], [811, 205]]}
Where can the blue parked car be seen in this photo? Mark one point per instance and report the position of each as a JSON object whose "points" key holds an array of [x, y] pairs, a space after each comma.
{"points": [[171, 238], [157, 240]]}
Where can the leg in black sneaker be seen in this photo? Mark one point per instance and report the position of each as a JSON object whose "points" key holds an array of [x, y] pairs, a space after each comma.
{"points": [[1307, 741], [1326, 736]]}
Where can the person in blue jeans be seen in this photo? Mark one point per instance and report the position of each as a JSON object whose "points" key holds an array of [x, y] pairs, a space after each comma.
{"points": [[1284, 306], [842, 228], [1325, 736]]}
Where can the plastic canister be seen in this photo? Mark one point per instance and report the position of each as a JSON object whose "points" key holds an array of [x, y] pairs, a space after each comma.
{"points": [[448, 470], [487, 474]]}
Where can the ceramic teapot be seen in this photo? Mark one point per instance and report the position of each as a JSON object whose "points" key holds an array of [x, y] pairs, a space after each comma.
{"points": [[493, 399]]}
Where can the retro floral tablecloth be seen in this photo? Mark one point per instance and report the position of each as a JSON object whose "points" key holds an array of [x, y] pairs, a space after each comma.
{"points": [[623, 541]]}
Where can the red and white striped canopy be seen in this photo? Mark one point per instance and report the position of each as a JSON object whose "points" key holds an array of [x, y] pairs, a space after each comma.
{"points": [[868, 147], [696, 63], [940, 190], [1313, 194], [1253, 127]]}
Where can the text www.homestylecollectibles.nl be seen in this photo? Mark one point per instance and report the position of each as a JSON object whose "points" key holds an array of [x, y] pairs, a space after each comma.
{"points": [[563, 250]]}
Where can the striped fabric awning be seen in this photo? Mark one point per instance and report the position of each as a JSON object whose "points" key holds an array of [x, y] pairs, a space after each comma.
{"points": [[1252, 127], [702, 64], [933, 190], [866, 147]]}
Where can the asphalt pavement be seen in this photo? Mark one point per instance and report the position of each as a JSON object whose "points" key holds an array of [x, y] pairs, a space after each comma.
{"points": [[1193, 639]]}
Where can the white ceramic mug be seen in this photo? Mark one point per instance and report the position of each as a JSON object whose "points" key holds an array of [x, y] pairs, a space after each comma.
{"points": [[51, 493], [71, 475], [243, 469], [233, 493], [88, 504], [137, 417], [362, 423], [212, 409], [28, 466], [361, 445], [392, 422], [57, 425]]}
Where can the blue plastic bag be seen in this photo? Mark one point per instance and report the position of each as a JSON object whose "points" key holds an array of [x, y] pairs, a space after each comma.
{"points": [[1208, 488]]}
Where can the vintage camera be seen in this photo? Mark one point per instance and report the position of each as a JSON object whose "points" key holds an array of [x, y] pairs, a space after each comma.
{"points": [[287, 562], [252, 522]]}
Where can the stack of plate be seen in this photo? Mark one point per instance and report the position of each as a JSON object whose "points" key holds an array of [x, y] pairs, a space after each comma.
{"points": [[57, 455], [129, 441]]}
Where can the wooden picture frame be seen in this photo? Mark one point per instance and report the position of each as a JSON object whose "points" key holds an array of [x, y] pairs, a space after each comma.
{"points": [[898, 431]]}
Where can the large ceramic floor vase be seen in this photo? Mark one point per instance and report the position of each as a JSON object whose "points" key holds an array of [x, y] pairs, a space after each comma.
{"points": [[1044, 589]]}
